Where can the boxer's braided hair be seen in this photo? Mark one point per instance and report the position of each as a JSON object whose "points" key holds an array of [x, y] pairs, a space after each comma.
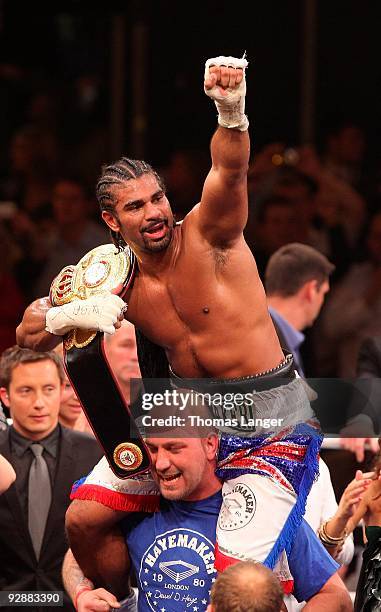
{"points": [[116, 174]]}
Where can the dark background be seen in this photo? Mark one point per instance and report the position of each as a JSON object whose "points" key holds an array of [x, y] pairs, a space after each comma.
{"points": [[56, 43]]}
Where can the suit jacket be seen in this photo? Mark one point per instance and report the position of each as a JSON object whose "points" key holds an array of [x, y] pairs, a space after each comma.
{"points": [[369, 358], [19, 568], [284, 344], [368, 370], [333, 396]]}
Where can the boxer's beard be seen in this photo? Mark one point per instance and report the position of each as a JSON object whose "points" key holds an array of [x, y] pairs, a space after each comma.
{"points": [[156, 245]]}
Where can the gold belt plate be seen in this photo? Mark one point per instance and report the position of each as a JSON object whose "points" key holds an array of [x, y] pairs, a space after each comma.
{"points": [[102, 269]]}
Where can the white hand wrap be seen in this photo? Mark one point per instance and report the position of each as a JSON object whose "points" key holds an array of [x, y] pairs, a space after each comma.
{"points": [[98, 312], [231, 107]]}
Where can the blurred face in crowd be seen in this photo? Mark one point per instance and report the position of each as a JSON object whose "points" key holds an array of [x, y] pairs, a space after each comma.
{"points": [[298, 194], [121, 353], [373, 240], [348, 146], [70, 204], [33, 398], [278, 226], [70, 407]]}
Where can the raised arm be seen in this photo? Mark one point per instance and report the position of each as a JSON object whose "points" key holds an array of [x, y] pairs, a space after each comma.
{"points": [[223, 210]]}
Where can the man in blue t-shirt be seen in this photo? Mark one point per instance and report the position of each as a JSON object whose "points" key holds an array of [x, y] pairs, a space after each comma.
{"points": [[172, 551]]}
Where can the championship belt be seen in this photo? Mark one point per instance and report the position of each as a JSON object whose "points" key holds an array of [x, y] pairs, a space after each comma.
{"points": [[102, 269]]}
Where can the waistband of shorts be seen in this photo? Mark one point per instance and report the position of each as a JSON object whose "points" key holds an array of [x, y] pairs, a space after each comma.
{"points": [[280, 375]]}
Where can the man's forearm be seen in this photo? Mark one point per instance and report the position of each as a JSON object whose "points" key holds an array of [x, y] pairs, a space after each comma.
{"points": [[31, 331], [332, 596], [230, 150], [325, 602], [72, 576], [98, 545], [81, 590]]}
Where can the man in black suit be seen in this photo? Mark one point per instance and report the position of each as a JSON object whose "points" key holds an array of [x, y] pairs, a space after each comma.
{"points": [[47, 459], [369, 358]]}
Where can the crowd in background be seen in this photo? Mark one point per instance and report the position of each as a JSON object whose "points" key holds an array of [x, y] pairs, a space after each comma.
{"points": [[328, 198]]}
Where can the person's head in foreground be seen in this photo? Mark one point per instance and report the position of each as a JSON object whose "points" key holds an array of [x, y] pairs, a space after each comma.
{"points": [[246, 586]]}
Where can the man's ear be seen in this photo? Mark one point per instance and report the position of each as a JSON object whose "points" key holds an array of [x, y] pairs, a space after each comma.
{"points": [[4, 396], [309, 289], [211, 445], [110, 220], [210, 608]]}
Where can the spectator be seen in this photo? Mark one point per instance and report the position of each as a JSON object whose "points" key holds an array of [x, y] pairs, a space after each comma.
{"points": [[120, 349], [76, 233], [70, 406], [369, 511], [344, 150], [330, 213], [32, 168], [353, 310], [184, 176], [13, 302], [47, 458], [296, 282], [368, 421], [246, 587], [316, 226], [323, 513], [339, 207], [272, 226]]}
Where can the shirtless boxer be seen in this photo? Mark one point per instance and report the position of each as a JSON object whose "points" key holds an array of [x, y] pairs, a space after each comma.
{"points": [[198, 295]]}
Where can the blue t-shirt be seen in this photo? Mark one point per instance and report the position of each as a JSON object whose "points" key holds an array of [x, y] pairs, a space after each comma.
{"points": [[172, 552]]}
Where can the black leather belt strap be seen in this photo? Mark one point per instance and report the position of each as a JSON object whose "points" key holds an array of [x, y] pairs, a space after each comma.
{"points": [[103, 403], [103, 268]]}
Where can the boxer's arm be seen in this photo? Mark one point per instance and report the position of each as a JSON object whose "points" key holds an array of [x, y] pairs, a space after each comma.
{"points": [[43, 325], [223, 211], [98, 544], [31, 332]]}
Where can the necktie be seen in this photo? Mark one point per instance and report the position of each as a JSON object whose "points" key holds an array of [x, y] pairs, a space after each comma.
{"points": [[39, 497]]}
